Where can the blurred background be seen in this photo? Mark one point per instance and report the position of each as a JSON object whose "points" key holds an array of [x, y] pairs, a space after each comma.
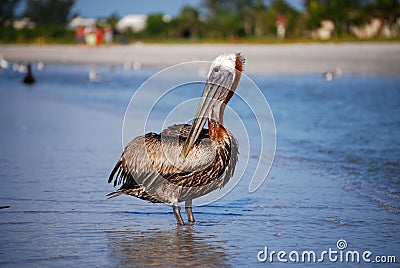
{"points": [[69, 21]]}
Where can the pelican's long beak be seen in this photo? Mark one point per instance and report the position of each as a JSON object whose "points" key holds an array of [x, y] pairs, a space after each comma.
{"points": [[216, 85]]}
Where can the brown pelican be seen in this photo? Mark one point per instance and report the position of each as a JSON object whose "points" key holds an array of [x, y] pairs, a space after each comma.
{"points": [[184, 162], [29, 79]]}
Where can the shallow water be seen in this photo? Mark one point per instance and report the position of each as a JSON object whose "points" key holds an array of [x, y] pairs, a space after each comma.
{"points": [[336, 175]]}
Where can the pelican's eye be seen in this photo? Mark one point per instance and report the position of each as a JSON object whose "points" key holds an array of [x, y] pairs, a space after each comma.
{"points": [[216, 69]]}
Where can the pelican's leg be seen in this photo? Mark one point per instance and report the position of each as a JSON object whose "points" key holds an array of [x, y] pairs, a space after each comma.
{"points": [[177, 213], [189, 213]]}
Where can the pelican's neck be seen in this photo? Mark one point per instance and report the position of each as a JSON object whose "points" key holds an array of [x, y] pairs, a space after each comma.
{"points": [[216, 129]]}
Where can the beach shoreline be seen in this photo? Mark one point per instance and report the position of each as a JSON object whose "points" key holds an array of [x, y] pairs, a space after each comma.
{"points": [[269, 59]]}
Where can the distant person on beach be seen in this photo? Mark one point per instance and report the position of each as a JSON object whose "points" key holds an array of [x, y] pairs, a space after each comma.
{"points": [[80, 35], [99, 35], [108, 35], [90, 36], [29, 79]]}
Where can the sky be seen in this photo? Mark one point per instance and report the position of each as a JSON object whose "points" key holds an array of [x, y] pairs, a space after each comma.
{"points": [[104, 8]]}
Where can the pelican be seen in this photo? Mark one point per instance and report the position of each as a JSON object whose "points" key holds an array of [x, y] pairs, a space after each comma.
{"points": [[29, 79], [185, 162]]}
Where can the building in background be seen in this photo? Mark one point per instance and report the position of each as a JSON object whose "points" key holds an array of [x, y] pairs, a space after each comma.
{"points": [[134, 22], [80, 21], [281, 27], [24, 23]]}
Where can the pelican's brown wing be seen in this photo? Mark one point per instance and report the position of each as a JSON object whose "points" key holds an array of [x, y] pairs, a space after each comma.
{"points": [[151, 168]]}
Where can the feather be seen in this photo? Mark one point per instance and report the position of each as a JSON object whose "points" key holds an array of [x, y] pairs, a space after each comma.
{"points": [[150, 167]]}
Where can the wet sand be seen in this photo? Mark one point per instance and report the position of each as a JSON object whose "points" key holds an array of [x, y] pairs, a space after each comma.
{"points": [[352, 58]]}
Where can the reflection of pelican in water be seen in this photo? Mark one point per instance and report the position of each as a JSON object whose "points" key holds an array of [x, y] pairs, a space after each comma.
{"points": [[180, 247], [185, 162]]}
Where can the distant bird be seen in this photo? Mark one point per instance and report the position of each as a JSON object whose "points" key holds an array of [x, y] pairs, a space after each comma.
{"points": [[127, 65], [94, 77], [20, 67], [40, 65], [4, 64], [328, 76], [132, 65], [185, 162], [29, 79], [137, 66]]}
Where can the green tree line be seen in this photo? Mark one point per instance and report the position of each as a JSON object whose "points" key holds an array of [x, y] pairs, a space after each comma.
{"points": [[254, 18], [49, 17]]}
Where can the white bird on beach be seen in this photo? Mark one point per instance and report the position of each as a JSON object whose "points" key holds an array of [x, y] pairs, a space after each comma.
{"points": [[20, 67], [328, 76], [94, 77], [132, 65], [40, 65], [4, 64], [137, 66]]}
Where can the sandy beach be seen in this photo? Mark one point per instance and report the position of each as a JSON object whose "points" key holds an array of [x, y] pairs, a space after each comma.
{"points": [[352, 58]]}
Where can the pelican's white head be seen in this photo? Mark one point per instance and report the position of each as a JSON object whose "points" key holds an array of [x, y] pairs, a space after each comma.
{"points": [[232, 62], [223, 79]]}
